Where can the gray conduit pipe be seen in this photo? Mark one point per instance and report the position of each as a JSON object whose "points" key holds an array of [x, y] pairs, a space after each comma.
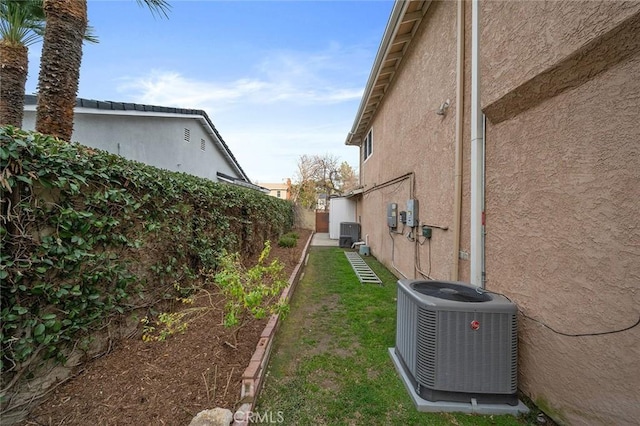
{"points": [[457, 205]]}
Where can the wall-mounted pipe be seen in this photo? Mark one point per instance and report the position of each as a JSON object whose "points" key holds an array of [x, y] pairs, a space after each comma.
{"points": [[457, 204], [411, 177], [393, 250], [391, 182], [477, 156]]}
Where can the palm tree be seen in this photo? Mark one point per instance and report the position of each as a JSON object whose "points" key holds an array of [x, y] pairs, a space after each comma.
{"points": [[21, 25], [60, 62]]}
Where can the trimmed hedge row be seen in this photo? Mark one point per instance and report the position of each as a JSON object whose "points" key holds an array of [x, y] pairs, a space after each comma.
{"points": [[83, 231]]}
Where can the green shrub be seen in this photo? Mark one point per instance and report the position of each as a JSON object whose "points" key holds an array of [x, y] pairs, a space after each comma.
{"points": [[287, 241], [290, 239], [83, 230], [253, 292]]}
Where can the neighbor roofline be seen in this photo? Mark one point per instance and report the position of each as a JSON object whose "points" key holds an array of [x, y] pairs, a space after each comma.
{"points": [[125, 108], [235, 181]]}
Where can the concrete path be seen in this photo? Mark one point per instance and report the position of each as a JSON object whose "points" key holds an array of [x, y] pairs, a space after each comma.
{"points": [[322, 239]]}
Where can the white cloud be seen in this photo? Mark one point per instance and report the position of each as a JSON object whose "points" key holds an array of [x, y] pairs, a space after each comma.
{"points": [[281, 76], [289, 104], [170, 88]]}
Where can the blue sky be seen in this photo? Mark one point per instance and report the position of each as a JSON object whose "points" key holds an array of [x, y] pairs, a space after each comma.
{"points": [[279, 79]]}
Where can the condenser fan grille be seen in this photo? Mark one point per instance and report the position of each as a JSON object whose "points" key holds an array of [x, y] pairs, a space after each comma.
{"points": [[457, 343], [450, 291]]}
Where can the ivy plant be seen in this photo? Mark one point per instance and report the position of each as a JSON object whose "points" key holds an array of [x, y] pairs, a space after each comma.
{"points": [[87, 235]]}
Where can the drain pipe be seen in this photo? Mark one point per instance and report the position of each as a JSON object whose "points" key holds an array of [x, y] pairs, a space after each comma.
{"points": [[477, 154], [457, 206]]}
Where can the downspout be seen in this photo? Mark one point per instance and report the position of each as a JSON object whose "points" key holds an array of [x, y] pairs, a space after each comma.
{"points": [[457, 207], [477, 154]]}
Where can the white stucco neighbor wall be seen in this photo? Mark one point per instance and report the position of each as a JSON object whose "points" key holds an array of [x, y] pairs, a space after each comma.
{"points": [[157, 140], [340, 210]]}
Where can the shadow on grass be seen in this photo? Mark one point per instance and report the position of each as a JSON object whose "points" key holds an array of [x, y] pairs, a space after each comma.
{"points": [[330, 364]]}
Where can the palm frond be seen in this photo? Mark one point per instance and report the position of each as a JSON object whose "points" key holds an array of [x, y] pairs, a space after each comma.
{"points": [[90, 35], [157, 7], [21, 21]]}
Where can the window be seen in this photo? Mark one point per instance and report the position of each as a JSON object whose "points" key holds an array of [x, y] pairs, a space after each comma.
{"points": [[187, 135], [367, 146], [278, 194], [202, 144]]}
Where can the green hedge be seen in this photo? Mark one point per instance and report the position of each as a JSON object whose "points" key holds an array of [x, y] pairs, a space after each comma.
{"points": [[83, 231]]}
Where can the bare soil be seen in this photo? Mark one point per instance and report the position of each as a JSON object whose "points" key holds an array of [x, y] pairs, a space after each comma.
{"points": [[167, 382]]}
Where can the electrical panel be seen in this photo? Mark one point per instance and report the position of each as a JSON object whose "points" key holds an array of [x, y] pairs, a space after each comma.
{"points": [[412, 213], [403, 217], [392, 215]]}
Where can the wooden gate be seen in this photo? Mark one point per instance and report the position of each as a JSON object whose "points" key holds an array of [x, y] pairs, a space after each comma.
{"points": [[322, 221]]}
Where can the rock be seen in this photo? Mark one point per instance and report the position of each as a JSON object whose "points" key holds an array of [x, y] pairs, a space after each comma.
{"points": [[215, 417]]}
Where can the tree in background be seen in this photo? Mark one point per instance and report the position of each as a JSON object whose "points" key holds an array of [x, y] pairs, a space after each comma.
{"points": [[21, 25], [303, 190], [348, 176], [66, 23], [321, 174]]}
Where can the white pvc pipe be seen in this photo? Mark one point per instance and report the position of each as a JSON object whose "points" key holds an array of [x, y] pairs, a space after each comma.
{"points": [[477, 154]]}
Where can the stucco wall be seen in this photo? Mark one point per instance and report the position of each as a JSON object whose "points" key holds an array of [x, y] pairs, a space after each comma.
{"points": [[561, 88], [304, 218], [523, 41], [409, 137], [563, 240], [158, 141]]}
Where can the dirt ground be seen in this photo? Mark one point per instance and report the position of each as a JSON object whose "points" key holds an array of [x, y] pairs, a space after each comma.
{"points": [[167, 382]]}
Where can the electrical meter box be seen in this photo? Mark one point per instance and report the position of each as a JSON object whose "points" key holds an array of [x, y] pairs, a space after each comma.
{"points": [[392, 215], [412, 213]]}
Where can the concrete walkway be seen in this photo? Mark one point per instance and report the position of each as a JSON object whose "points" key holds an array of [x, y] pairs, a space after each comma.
{"points": [[322, 239]]}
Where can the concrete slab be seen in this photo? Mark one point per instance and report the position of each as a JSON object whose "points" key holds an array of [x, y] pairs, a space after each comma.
{"points": [[322, 239], [449, 407]]}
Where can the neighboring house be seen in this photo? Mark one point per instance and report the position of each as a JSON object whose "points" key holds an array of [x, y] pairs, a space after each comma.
{"points": [[180, 140], [279, 190], [540, 201]]}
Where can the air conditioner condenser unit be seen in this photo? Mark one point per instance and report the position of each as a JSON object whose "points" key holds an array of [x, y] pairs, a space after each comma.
{"points": [[457, 343]]}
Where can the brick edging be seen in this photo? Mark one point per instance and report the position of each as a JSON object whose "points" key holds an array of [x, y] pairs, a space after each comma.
{"points": [[253, 375]]}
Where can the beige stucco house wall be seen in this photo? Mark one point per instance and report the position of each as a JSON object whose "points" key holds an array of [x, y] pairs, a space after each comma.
{"points": [[561, 91], [280, 190], [560, 88], [413, 153]]}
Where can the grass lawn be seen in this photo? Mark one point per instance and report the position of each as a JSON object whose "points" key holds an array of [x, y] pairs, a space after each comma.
{"points": [[330, 364]]}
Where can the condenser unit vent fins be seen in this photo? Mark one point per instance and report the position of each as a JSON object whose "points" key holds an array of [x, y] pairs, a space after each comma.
{"points": [[457, 342]]}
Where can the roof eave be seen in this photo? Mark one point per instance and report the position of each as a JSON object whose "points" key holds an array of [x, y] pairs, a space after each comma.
{"points": [[403, 12]]}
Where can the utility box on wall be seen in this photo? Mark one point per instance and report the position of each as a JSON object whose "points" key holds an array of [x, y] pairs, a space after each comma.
{"points": [[392, 215], [412, 213]]}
